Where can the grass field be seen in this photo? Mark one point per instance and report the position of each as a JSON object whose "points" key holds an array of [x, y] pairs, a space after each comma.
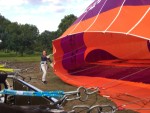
{"points": [[54, 83], [11, 56], [21, 59]]}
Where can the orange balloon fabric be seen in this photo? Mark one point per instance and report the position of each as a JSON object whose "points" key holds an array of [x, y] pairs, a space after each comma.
{"points": [[108, 46]]}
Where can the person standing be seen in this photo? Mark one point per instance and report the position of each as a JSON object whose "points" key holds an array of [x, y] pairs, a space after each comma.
{"points": [[44, 65]]}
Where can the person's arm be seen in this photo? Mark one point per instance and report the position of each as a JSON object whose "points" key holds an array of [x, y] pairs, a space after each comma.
{"points": [[51, 63], [49, 59]]}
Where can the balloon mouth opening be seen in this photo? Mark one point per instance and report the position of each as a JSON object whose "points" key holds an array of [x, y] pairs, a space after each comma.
{"points": [[99, 55]]}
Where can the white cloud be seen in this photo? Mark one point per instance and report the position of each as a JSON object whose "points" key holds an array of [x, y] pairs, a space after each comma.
{"points": [[45, 14], [48, 9], [41, 22], [57, 1], [12, 2]]}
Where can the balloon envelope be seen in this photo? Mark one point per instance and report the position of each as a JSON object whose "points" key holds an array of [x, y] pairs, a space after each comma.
{"points": [[108, 46]]}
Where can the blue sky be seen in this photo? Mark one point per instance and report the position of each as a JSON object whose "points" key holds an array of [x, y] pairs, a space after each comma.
{"points": [[45, 14]]}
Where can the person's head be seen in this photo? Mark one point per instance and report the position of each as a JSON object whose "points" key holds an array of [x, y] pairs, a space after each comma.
{"points": [[44, 53]]}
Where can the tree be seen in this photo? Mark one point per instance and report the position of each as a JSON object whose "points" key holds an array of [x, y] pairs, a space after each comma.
{"points": [[26, 38], [29, 34], [66, 22], [12, 33], [45, 40], [3, 34]]}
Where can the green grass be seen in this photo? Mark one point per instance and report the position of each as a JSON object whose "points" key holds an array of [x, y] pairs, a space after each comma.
{"points": [[8, 54], [12, 57], [21, 59]]}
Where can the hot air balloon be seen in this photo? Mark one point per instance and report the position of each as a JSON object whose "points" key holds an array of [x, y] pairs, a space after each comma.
{"points": [[109, 46]]}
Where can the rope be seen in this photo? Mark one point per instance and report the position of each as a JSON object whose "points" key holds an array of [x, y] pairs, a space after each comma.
{"points": [[121, 107], [107, 84], [110, 83], [80, 52], [140, 108], [132, 102]]}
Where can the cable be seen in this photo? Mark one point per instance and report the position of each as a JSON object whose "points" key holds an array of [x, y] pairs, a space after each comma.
{"points": [[107, 84]]}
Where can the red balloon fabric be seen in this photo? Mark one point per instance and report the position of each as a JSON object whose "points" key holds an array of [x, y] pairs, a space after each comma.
{"points": [[108, 46]]}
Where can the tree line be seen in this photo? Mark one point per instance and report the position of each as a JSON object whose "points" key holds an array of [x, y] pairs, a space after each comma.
{"points": [[25, 38]]}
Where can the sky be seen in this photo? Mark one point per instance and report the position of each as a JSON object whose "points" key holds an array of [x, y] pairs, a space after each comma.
{"points": [[45, 14]]}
